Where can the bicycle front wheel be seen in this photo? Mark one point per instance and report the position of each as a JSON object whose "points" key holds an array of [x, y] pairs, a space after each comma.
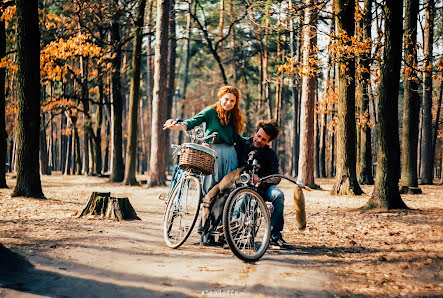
{"points": [[247, 224], [182, 211]]}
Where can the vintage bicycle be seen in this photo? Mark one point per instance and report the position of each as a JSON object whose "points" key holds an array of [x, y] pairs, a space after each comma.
{"points": [[185, 191], [246, 216]]}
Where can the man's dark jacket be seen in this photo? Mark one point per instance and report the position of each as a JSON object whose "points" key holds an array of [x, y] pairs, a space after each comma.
{"points": [[266, 157]]}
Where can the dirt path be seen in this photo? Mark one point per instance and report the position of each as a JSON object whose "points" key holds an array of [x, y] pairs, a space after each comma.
{"points": [[342, 252]]}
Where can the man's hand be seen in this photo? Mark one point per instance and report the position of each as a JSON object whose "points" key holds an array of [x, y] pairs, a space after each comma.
{"points": [[256, 180], [273, 180]]}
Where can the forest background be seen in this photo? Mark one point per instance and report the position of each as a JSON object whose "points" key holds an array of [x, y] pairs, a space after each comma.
{"points": [[350, 83]]}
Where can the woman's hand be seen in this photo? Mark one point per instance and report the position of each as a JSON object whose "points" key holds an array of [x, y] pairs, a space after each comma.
{"points": [[172, 124], [206, 145]]}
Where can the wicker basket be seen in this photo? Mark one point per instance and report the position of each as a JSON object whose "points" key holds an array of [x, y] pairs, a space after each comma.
{"points": [[197, 158]]}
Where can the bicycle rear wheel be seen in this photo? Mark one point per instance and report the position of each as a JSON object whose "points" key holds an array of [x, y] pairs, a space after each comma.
{"points": [[182, 211], [247, 224]]}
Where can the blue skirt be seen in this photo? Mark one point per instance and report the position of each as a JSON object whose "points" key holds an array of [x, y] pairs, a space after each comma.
{"points": [[225, 162]]}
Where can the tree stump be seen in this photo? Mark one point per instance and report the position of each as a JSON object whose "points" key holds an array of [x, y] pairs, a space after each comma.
{"points": [[102, 204]]}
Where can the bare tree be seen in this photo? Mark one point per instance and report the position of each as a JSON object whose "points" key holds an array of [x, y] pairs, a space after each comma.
{"points": [[28, 94]]}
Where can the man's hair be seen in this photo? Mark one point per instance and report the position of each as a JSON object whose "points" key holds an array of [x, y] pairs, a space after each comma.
{"points": [[270, 127]]}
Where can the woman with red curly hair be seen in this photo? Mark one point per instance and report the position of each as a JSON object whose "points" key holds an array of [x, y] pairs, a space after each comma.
{"points": [[225, 118]]}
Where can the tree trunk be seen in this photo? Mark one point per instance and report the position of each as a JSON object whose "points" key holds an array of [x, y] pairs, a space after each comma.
{"points": [[233, 57], [117, 166], [28, 95], [317, 142], [44, 168], [278, 107], [186, 72], [386, 194], [107, 143], [441, 166], [92, 154], [159, 103], [172, 57], [333, 152], [266, 79], [364, 160], [98, 133], [278, 81], [221, 19], [77, 160], [322, 145], [261, 99], [150, 82], [13, 153], [437, 120], [309, 87], [131, 152], [346, 178], [3, 134], [86, 117], [327, 107], [295, 92], [427, 162], [411, 106], [62, 145], [333, 87], [102, 204], [141, 156], [68, 151], [51, 148]]}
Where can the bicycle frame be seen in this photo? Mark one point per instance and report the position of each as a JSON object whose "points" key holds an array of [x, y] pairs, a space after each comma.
{"points": [[178, 176]]}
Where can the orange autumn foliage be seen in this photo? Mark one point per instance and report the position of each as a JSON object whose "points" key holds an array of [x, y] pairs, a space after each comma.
{"points": [[56, 59]]}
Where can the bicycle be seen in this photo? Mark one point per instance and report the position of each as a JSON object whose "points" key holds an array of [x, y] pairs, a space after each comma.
{"points": [[184, 196], [246, 216], [246, 219]]}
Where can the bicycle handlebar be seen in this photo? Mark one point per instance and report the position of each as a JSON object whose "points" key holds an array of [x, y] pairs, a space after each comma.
{"points": [[287, 178], [198, 132]]}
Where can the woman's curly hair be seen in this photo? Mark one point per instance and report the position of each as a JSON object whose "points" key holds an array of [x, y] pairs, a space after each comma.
{"points": [[236, 116]]}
